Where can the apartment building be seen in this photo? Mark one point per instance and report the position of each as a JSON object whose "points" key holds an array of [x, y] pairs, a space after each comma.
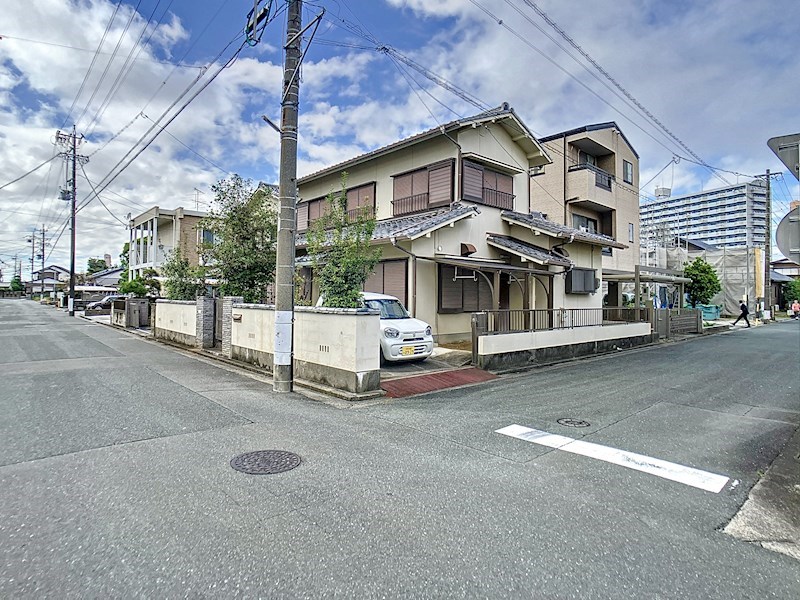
{"points": [[731, 216], [593, 185]]}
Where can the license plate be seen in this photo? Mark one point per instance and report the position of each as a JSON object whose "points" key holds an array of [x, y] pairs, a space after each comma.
{"points": [[407, 350]]}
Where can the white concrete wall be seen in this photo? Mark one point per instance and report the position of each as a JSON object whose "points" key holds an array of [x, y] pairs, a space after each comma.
{"points": [[177, 315], [331, 337], [530, 340]]}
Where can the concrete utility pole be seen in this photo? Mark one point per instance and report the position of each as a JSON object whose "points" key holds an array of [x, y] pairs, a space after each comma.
{"points": [[42, 274], [284, 272], [32, 241], [768, 253], [71, 141]]}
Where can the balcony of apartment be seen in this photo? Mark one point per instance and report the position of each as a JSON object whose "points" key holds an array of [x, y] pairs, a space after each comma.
{"points": [[591, 187]]}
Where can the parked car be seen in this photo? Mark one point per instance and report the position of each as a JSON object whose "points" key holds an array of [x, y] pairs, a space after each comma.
{"points": [[403, 338], [105, 302]]}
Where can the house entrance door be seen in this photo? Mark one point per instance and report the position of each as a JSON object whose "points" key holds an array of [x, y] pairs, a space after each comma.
{"points": [[217, 322]]}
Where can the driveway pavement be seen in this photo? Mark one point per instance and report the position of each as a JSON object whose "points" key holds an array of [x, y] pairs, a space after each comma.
{"points": [[115, 477]]}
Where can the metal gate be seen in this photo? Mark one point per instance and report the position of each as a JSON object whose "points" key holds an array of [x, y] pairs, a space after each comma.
{"points": [[217, 321]]}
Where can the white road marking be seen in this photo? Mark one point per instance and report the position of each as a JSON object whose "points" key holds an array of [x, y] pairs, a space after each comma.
{"points": [[704, 480]]}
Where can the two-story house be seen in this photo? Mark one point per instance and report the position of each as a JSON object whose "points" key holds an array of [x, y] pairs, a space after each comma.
{"points": [[157, 231], [593, 185], [454, 220]]}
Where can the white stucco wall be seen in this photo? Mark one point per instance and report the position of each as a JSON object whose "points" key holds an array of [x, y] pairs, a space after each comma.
{"points": [[177, 315], [340, 338], [530, 340], [256, 329]]}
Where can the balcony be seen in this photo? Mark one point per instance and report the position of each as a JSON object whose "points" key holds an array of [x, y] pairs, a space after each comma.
{"points": [[498, 199], [602, 179], [410, 204]]}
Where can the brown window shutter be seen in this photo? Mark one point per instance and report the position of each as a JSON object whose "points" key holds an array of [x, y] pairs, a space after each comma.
{"points": [[402, 187], [313, 211], [366, 196], [374, 282], [302, 216], [484, 294], [450, 299], [472, 182], [419, 182], [490, 180], [352, 199], [470, 293], [505, 183], [395, 279], [440, 185]]}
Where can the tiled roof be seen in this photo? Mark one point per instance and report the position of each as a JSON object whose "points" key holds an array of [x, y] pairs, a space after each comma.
{"points": [[413, 226], [536, 220], [534, 253]]}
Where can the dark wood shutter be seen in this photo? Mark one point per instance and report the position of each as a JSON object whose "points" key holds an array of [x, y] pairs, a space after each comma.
{"points": [[472, 182], [489, 180], [395, 279], [450, 292], [440, 185], [505, 183], [302, 216], [470, 286], [484, 294], [402, 187]]}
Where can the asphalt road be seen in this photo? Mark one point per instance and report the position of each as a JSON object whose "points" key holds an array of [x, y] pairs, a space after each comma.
{"points": [[115, 477]]}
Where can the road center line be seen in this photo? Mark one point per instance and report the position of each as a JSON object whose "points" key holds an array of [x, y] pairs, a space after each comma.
{"points": [[704, 480]]}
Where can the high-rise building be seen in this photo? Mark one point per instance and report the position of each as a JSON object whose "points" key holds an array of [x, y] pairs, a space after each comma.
{"points": [[732, 216]]}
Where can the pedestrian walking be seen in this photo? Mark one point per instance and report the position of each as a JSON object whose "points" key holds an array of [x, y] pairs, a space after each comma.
{"points": [[745, 312], [796, 309]]}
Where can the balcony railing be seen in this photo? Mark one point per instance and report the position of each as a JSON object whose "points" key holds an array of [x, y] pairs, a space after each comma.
{"points": [[366, 212], [410, 204], [542, 319], [498, 199], [602, 178]]}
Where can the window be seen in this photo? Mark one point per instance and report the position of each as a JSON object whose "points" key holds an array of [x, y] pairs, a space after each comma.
{"points": [[483, 185], [585, 223], [627, 172], [359, 198], [462, 290], [389, 277], [423, 188], [630, 232], [586, 159]]}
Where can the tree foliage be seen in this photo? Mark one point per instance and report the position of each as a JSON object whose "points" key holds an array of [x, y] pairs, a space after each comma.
{"points": [[123, 260], [704, 283], [134, 286], [182, 280], [340, 250], [16, 284], [95, 265], [244, 225], [791, 290], [152, 284]]}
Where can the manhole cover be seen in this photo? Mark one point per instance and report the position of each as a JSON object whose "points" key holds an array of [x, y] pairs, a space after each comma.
{"points": [[265, 462], [573, 423]]}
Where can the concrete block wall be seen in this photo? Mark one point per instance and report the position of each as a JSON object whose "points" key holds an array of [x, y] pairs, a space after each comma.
{"points": [[205, 322], [227, 310]]}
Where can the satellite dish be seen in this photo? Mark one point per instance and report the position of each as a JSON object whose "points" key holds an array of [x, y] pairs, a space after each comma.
{"points": [[787, 235]]}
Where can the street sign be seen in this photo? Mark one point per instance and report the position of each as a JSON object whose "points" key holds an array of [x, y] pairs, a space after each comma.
{"points": [[787, 148], [787, 235]]}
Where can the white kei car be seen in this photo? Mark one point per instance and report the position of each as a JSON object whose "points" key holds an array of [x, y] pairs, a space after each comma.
{"points": [[403, 338]]}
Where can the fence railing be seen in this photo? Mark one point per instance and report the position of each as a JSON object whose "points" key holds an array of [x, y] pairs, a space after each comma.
{"points": [[498, 199], [411, 204], [509, 321]]}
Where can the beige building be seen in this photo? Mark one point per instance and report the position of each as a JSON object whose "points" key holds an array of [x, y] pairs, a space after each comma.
{"points": [[158, 231], [453, 206], [593, 184]]}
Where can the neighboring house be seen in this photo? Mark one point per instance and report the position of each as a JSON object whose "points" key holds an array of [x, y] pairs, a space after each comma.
{"points": [[49, 279], [593, 185], [454, 222], [106, 277], [785, 266], [157, 231], [731, 216]]}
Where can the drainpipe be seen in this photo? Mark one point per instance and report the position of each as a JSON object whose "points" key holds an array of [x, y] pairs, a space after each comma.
{"points": [[414, 277], [564, 160]]}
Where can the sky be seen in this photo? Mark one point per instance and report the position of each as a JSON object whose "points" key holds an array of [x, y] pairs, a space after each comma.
{"points": [[698, 82]]}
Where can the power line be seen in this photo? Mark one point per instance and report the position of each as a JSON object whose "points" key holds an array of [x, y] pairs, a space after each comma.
{"points": [[34, 169]]}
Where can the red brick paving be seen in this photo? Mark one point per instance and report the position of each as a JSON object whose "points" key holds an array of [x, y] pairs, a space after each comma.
{"points": [[419, 384]]}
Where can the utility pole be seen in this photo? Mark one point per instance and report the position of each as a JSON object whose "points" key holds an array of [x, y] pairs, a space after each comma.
{"points": [[284, 273], [32, 241], [71, 141], [41, 275], [768, 253]]}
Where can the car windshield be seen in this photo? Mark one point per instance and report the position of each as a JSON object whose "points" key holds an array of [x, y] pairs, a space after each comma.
{"points": [[390, 309]]}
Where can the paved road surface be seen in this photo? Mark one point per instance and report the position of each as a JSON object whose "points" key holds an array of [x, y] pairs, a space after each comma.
{"points": [[115, 477]]}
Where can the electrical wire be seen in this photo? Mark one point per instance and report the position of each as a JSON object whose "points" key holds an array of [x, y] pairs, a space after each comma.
{"points": [[33, 170]]}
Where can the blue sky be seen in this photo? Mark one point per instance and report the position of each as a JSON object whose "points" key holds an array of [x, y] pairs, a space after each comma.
{"points": [[720, 75]]}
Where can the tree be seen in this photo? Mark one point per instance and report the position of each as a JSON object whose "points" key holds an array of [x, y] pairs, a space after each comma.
{"points": [[182, 280], [149, 280], [95, 265], [339, 246], [704, 283], [16, 284], [791, 290], [134, 286], [244, 226]]}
